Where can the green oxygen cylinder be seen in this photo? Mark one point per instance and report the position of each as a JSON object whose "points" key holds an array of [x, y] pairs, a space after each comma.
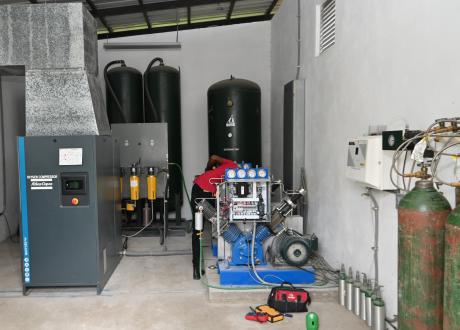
{"points": [[452, 271], [312, 321], [422, 220]]}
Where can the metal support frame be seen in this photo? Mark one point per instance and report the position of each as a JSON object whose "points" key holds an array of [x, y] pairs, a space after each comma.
{"points": [[144, 12], [273, 4], [230, 10], [155, 6], [143, 8], [96, 13]]}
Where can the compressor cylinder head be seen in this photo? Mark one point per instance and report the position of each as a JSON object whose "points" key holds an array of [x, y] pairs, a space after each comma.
{"points": [[232, 233]]}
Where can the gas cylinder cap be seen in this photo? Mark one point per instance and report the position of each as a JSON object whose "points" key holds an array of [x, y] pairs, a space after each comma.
{"points": [[424, 184]]}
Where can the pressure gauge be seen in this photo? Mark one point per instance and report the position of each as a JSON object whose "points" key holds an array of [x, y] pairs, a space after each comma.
{"points": [[391, 140], [231, 174], [241, 173], [262, 173], [252, 173]]}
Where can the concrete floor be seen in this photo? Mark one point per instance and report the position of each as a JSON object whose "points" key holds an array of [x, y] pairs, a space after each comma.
{"points": [[143, 293]]}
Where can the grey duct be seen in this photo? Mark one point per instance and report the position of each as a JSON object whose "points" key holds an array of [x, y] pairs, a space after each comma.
{"points": [[57, 45]]}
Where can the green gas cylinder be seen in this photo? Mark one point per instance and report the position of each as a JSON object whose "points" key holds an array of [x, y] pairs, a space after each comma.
{"points": [[452, 271], [422, 220], [312, 321]]}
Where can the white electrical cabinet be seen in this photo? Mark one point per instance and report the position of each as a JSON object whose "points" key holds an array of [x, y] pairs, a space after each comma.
{"points": [[368, 163]]}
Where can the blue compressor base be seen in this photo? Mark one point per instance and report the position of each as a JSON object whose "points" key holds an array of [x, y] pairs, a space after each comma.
{"points": [[243, 276]]}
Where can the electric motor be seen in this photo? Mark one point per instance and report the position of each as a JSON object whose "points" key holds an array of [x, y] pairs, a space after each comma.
{"points": [[294, 250]]}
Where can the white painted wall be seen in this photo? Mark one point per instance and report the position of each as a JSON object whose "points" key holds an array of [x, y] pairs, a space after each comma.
{"points": [[207, 56], [393, 61], [13, 107]]}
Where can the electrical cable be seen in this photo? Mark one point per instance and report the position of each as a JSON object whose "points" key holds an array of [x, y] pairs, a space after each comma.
{"points": [[184, 185], [403, 169]]}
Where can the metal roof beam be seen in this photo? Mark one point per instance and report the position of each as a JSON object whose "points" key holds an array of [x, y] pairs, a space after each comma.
{"points": [[272, 5], [96, 13], [144, 12], [172, 4], [186, 26], [230, 10]]}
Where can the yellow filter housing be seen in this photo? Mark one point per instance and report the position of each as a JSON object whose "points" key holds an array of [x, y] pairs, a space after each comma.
{"points": [[151, 187], [134, 184]]}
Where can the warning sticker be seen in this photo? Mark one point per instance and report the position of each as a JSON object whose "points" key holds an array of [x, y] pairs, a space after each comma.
{"points": [[41, 182], [230, 122]]}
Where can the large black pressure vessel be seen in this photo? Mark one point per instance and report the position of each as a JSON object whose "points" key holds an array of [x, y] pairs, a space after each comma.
{"points": [[162, 104], [124, 94], [234, 120]]}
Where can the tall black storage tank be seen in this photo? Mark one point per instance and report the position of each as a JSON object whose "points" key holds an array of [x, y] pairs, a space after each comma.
{"points": [[162, 91], [234, 120], [124, 94]]}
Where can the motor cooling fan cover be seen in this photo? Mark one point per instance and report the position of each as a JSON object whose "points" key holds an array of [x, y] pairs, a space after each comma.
{"points": [[295, 251]]}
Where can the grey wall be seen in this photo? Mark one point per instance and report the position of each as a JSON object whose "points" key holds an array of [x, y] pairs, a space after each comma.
{"points": [[393, 62], [13, 107], [207, 56]]}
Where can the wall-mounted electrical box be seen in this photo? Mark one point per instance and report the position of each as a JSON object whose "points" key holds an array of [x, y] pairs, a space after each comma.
{"points": [[293, 133], [368, 163]]}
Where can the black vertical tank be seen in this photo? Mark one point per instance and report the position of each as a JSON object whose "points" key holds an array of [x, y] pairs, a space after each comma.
{"points": [[234, 120], [162, 104], [124, 94]]}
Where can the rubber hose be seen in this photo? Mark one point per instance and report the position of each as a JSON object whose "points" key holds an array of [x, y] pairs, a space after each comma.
{"points": [[156, 114], [109, 85]]}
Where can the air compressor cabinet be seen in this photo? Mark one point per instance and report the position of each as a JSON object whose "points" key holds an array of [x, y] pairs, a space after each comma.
{"points": [[67, 245]]}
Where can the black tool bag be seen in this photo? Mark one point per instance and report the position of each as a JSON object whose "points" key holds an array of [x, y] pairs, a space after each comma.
{"points": [[289, 299]]}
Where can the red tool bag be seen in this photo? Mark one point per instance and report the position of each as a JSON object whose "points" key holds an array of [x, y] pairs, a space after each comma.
{"points": [[289, 299]]}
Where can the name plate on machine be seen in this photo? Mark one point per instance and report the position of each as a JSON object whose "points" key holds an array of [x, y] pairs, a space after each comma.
{"points": [[70, 156]]}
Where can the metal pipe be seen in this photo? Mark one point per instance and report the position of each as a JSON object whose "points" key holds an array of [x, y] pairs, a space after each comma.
{"points": [[157, 253], [375, 208], [299, 28], [141, 45]]}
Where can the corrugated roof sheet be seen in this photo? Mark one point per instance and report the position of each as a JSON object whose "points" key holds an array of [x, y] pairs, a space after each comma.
{"points": [[125, 17]]}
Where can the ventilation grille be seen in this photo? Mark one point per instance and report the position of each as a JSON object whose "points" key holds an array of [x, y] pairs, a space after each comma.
{"points": [[327, 25]]}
